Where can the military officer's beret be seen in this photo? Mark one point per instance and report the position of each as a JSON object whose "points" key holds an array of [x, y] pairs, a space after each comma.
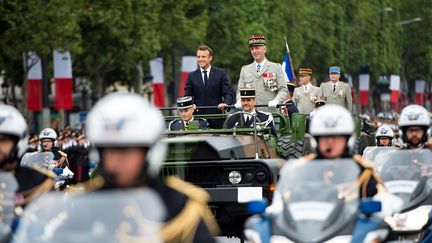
{"points": [[334, 69], [184, 102], [247, 93], [256, 40]]}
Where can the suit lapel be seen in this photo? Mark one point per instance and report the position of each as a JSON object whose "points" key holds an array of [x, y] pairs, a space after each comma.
{"points": [[253, 70], [265, 68], [210, 79], [200, 78]]}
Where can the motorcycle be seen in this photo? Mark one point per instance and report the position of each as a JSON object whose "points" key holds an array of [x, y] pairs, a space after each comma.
{"points": [[133, 215], [45, 160], [316, 201], [407, 174]]}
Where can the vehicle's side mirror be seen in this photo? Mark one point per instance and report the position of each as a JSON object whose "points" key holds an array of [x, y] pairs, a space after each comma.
{"points": [[58, 171], [256, 207], [370, 206]]}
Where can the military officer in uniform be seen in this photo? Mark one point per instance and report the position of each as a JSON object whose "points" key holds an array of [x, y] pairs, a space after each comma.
{"points": [[186, 108], [306, 95], [246, 119], [289, 107], [335, 91], [267, 78]]}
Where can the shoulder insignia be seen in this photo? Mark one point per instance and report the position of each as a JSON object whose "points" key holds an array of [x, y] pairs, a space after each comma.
{"points": [[363, 162], [62, 153], [182, 228]]}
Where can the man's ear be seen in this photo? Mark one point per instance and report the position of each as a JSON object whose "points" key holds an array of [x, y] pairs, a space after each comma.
{"points": [[194, 107], [210, 58]]}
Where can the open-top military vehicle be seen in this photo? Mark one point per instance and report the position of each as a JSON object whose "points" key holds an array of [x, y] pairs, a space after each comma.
{"points": [[233, 165]]}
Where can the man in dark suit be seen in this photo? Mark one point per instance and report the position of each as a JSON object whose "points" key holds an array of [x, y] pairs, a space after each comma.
{"points": [[209, 86], [245, 119]]}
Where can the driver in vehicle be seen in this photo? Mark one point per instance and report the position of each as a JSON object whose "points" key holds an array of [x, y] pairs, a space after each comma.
{"points": [[414, 127], [245, 118], [186, 108], [129, 155], [333, 137], [384, 136]]}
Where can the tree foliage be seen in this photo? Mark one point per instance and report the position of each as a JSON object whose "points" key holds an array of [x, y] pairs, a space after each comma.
{"points": [[113, 40]]}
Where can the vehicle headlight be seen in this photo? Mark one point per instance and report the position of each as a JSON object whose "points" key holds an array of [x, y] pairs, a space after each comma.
{"points": [[410, 221], [234, 177]]}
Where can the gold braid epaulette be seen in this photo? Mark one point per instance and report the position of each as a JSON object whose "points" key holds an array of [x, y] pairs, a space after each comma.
{"points": [[367, 174], [182, 228], [32, 193]]}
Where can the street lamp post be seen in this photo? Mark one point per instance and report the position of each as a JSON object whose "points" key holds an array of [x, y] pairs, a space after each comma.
{"points": [[410, 21]]}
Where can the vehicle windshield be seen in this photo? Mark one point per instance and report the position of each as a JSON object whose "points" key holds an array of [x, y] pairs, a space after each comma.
{"points": [[44, 160], [8, 188], [114, 216], [316, 195], [404, 172], [371, 152]]}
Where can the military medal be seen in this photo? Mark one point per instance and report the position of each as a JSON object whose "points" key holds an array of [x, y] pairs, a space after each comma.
{"points": [[341, 93], [270, 81]]}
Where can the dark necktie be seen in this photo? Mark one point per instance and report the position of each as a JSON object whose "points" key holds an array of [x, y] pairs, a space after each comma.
{"points": [[258, 68], [186, 126], [205, 77], [248, 119], [334, 87]]}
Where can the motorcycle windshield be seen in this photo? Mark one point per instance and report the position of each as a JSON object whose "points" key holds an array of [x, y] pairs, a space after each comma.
{"points": [[406, 173], [114, 216], [43, 160], [8, 187], [319, 198], [371, 152]]}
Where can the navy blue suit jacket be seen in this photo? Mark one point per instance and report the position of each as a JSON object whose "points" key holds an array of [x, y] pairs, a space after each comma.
{"points": [[217, 90]]}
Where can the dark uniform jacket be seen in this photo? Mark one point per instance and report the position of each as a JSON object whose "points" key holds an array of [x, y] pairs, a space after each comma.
{"points": [[289, 108], [188, 217], [236, 120], [178, 124], [31, 183]]}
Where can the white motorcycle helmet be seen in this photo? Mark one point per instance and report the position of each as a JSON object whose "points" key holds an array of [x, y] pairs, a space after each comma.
{"points": [[384, 131], [414, 115], [12, 123], [332, 120], [48, 133], [128, 120]]}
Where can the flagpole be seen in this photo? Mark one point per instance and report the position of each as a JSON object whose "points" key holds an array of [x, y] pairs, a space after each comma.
{"points": [[289, 56]]}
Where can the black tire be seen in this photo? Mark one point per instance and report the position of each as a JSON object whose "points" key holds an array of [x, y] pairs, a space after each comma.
{"points": [[289, 148]]}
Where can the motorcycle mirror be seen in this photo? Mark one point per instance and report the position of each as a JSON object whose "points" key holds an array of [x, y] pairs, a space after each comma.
{"points": [[58, 171], [256, 207], [370, 206]]}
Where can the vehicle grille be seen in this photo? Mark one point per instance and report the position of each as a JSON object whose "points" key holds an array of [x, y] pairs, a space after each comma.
{"points": [[201, 175]]}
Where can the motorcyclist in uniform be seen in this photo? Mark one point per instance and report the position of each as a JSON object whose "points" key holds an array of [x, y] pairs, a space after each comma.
{"points": [[127, 136], [384, 136], [332, 131], [414, 127], [48, 142], [13, 144]]}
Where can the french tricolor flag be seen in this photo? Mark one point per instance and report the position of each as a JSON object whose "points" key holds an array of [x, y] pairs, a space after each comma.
{"points": [[364, 79], [63, 80], [420, 86], [189, 64], [157, 72], [34, 82], [395, 88]]}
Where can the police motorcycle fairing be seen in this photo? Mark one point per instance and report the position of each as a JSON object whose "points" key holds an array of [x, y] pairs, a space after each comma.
{"points": [[45, 160], [133, 215], [371, 152], [316, 201], [8, 187], [407, 174]]}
